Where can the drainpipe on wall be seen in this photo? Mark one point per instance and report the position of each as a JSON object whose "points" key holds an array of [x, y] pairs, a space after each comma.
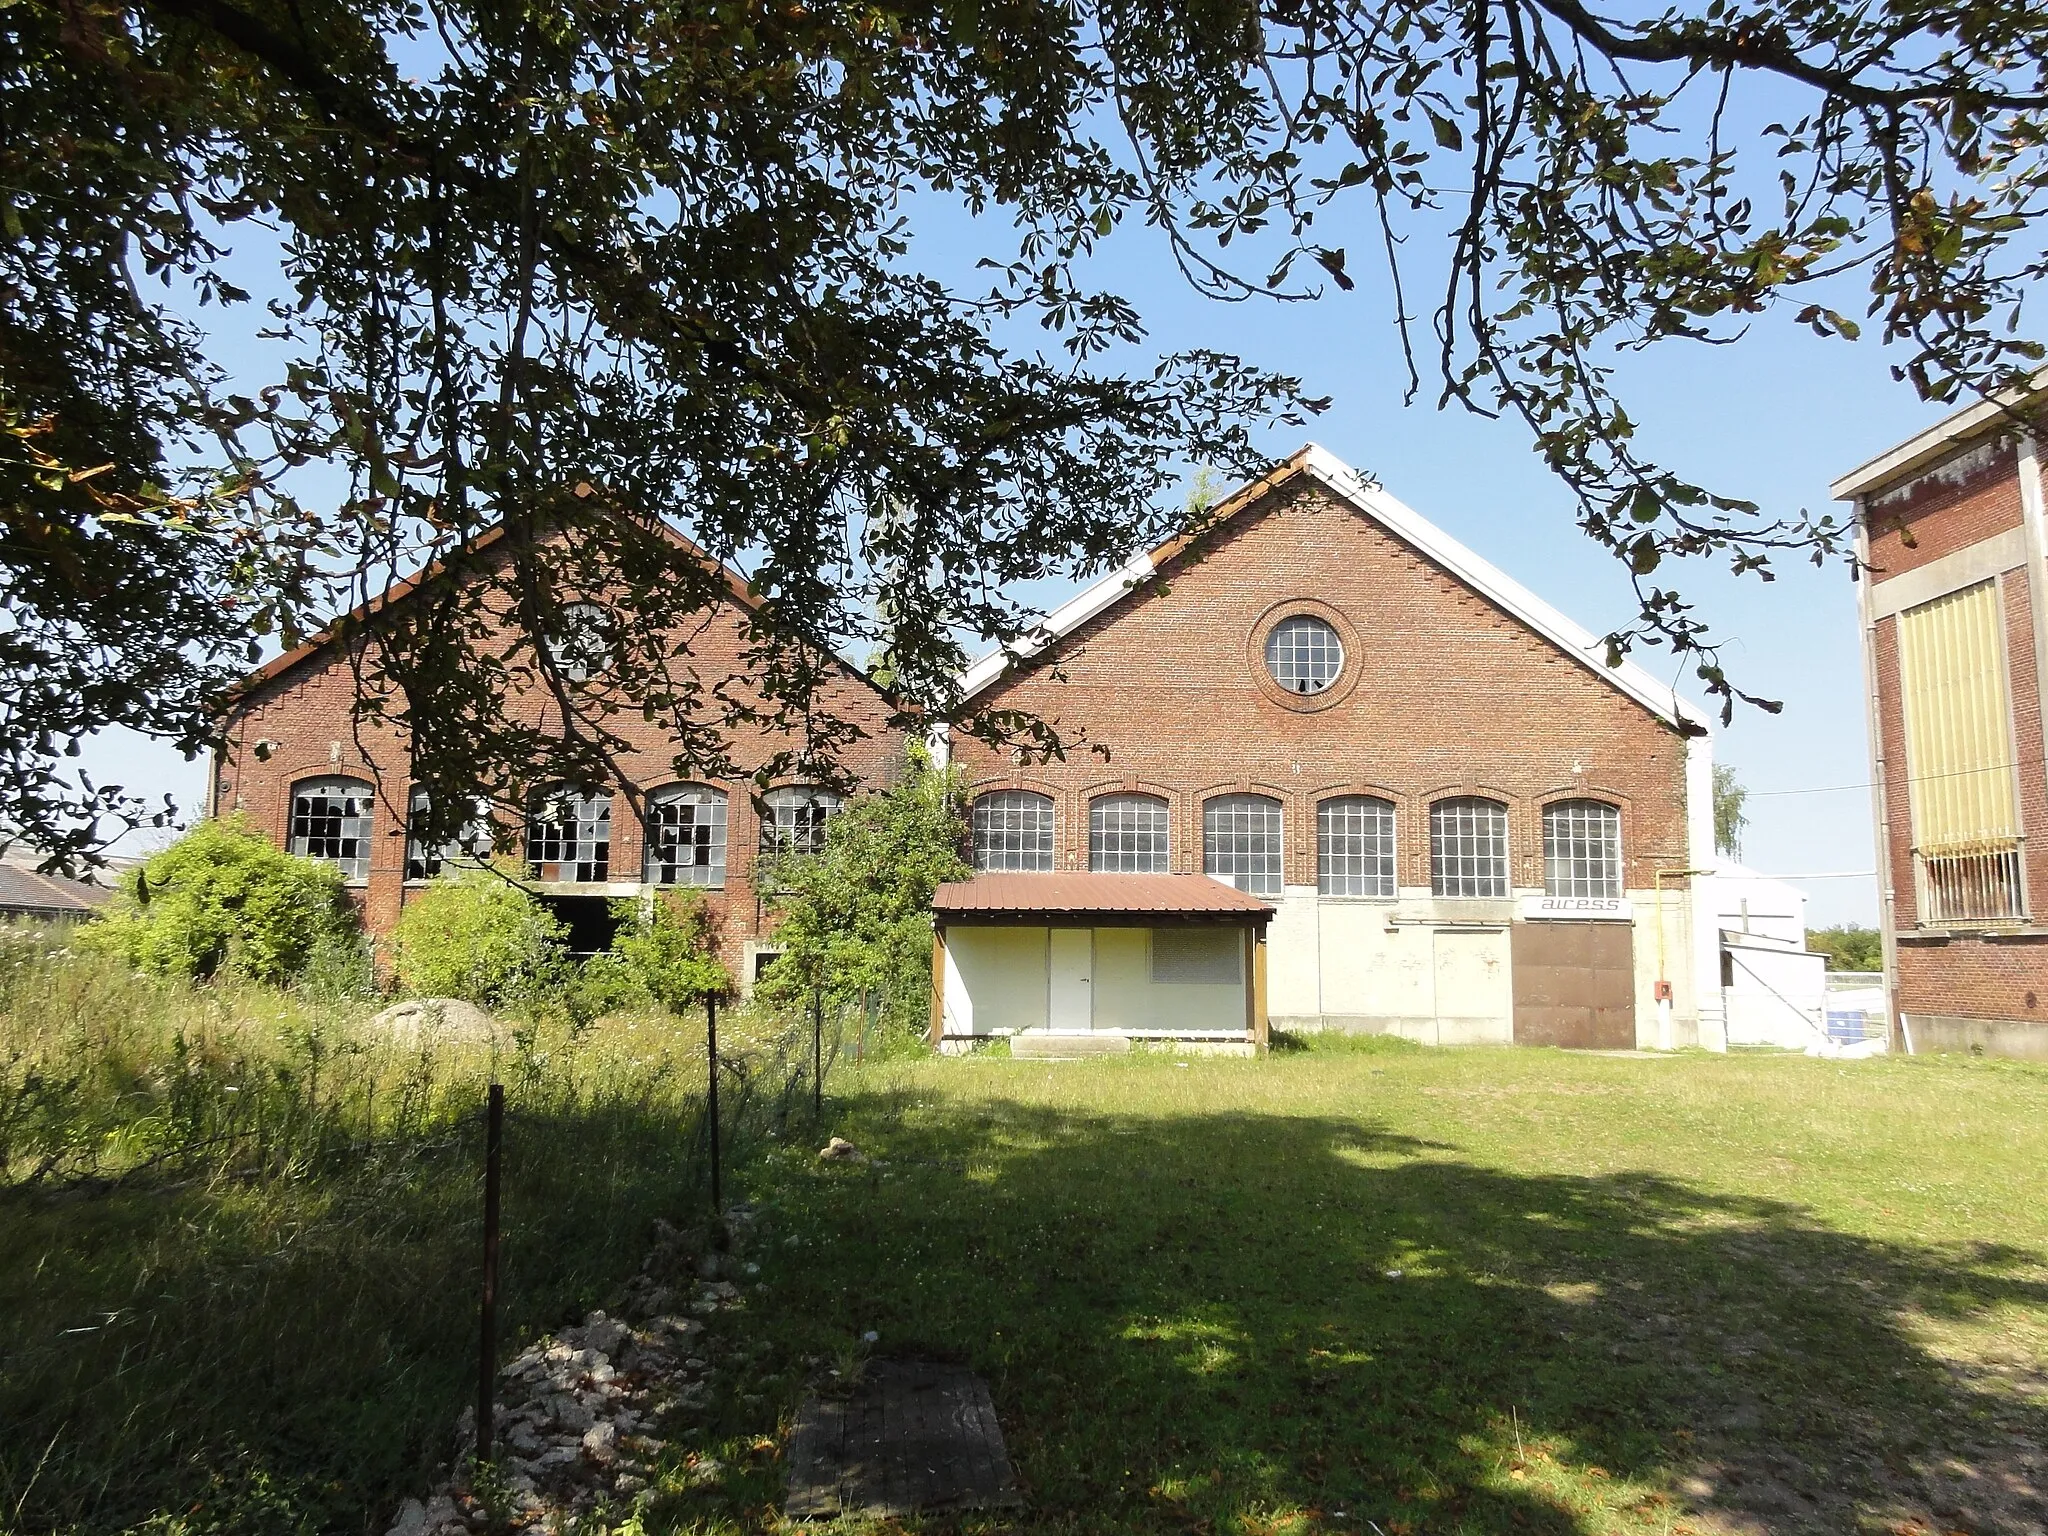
{"points": [[1887, 918]]}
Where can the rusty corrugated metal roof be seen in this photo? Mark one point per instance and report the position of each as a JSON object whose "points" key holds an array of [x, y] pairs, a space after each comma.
{"points": [[1079, 893]]}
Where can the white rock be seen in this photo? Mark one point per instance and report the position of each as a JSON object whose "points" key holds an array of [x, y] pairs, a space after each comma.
{"points": [[411, 1521], [601, 1440], [421, 1020]]}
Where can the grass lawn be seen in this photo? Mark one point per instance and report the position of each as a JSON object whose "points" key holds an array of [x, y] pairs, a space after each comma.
{"points": [[1441, 1291]]}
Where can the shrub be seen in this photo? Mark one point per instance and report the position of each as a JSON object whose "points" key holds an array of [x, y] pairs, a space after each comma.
{"points": [[668, 948], [857, 917], [479, 937], [225, 898]]}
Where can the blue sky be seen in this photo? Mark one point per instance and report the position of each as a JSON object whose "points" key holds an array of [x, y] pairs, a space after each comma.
{"points": [[1773, 418]]}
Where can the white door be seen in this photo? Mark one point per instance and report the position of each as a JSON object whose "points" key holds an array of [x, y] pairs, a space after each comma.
{"points": [[1070, 1005]]}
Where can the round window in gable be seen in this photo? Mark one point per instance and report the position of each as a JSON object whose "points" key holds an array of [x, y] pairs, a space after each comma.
{"points": [[1304, 654]]}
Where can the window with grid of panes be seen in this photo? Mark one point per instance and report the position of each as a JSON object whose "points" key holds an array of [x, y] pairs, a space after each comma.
{"points": [[331, 822], [793, 819], [425, 860], [1355, 846], [1581, 849], [686, 837], [1468, 848], [1241, 842], [1304, 654], [1012, 831], [1127, 835], [569, 836]]}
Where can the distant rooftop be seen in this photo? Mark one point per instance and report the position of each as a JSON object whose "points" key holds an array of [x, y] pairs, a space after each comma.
{"points": [[24, 893]]}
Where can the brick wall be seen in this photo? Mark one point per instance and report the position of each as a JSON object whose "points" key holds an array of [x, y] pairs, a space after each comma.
{"points": [[1442, 694], [305, 713], [1898, 841], [1973, 495], [1964, 976], [1973, 977]]}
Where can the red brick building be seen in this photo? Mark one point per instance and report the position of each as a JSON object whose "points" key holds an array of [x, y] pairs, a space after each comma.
{"points": [[1467, 825], [1954, 613], [303, 768]]}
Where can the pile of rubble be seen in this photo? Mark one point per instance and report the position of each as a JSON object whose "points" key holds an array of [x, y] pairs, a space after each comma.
{"points": [[579, 1410]]}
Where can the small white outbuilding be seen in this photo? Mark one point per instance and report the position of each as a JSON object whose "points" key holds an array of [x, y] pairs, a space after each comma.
{"points": [[1773, 988], [1097, 960]]}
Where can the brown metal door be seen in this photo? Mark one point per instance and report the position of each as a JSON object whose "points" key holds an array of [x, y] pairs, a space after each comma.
{"points": [[1575, 985]]}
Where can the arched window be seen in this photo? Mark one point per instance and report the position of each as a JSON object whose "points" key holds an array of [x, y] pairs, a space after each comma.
{"points": [[331, 822], [1013, 831], [1355, 846], [580, 642], [424, 860], [569, 835], [793, 819], [1468, 848], [1241, 842], [1581, 848], [686, 836], [1127, 834]]}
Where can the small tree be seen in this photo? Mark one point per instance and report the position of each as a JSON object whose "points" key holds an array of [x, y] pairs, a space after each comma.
{"points": [[668, 947], [857, 917], [1848, 946], [480, 937], [1730, 819], [225, 899]]}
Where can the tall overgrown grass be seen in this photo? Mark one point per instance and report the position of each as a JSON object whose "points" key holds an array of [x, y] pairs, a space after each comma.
{"points": [[240, 1227]]}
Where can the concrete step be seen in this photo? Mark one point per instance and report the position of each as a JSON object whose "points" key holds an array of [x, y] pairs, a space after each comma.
{"points": [[1045, 1045]]}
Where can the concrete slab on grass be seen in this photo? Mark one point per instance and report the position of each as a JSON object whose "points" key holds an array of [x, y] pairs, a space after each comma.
{"points": [[914, 1435], [1045, 1045]]}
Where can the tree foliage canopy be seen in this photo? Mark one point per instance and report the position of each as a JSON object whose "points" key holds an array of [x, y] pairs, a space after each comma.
{"points": [[1848, 946], [225, 898], [856, 918], [591, 265]]}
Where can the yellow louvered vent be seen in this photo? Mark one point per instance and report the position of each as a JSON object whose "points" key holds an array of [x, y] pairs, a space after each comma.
{"points": [[1959, 756]]}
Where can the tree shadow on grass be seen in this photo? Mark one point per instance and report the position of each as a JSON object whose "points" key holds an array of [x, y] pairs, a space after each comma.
{"points": [[1242, 1322]]}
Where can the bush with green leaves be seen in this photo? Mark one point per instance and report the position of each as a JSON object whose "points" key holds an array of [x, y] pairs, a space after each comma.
{"points": [[225, 899], [480, 937], [667, 947], [856, 918]]}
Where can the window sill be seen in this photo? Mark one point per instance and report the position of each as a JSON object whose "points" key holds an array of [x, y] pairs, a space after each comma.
{"points": [[2014, 930]]}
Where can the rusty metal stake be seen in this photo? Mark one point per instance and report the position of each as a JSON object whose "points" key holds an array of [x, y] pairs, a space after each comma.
{"points": [[487, 1353], [817, 1052]]}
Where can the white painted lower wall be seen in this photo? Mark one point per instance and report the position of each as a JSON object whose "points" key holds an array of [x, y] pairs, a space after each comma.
{"points": [[1441, 972], [1002, 980]]}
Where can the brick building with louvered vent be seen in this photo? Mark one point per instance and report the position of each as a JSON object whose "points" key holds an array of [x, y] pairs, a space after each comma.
{"points": [[1954, 607]]}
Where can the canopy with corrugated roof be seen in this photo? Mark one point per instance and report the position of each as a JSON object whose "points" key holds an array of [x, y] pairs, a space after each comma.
{"points": [[1105, 898]]}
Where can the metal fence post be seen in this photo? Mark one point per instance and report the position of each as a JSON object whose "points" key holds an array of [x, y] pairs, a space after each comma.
{"points": [[487, 1351], [711, 1104], [817, 1051]]}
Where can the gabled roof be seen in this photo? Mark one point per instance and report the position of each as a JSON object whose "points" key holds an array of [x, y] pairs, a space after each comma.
{"points": [[735, 584], [1951, 432], [1411, 528]]}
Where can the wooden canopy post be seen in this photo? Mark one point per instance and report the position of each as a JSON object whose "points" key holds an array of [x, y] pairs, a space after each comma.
{"points": [[938, 985], [1248, 946]]}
